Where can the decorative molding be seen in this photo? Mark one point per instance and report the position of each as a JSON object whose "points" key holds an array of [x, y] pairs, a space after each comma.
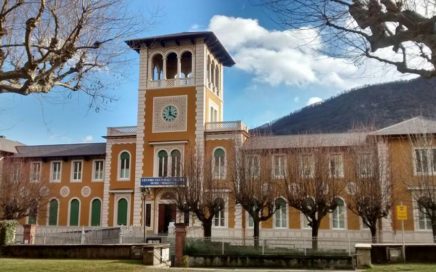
{"points": [[86, 191], [64, 191]]}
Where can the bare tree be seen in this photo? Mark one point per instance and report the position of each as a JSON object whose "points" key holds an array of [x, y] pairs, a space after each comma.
{"points": [[255, 187], [314, 180], [46, 44], [370, 190], [19, 195], [200, 193], [363, 27]]}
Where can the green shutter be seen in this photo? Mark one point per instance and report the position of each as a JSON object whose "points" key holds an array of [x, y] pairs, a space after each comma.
{"points": [[95, 212], [53, 213], [74, 212], [122, 212]]}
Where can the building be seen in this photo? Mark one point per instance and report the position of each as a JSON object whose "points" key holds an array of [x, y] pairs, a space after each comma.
{"points": [[128, 179]]}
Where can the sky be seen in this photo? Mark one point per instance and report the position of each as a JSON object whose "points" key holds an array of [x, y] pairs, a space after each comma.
{"points": [[277, 71]]}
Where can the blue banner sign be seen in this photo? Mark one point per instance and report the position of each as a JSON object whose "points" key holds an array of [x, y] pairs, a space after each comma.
{"points": [[162, 181]]}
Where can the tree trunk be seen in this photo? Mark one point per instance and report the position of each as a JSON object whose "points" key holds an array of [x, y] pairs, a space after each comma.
{"points": [[433, 225], [256, 232], [207, 228], [315, 228], [373, 230]]}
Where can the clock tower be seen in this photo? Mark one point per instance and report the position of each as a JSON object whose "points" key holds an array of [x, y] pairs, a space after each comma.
{"points": [[180, 90]]}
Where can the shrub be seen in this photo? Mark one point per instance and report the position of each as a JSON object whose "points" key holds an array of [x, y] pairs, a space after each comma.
{"points": [[7, 232]]}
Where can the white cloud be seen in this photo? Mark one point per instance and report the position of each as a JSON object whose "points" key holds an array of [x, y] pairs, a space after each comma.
{"points": [[296, 99], [292, 57], [314, 100], [88, 139]]}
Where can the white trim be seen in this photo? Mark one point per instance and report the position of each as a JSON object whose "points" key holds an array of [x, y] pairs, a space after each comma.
{"points": [[345, 217], [48, 212], [415, 213], [226, 214], [284, 168], [69, 211], [39, 171], [168, 143], [90, 211], [93, 170], [168, 150], [341, 169], [72, 180], [248, 159], [115, 191], [219, 177], [286, 212], [119, 178], [302, 221], [51, 180], [430, 162]]}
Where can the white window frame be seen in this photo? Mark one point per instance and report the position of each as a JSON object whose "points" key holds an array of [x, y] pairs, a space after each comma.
{"points": [[119, 166], [90, 211], [94, 170], [225, 214], [72, 179], [282, 166], [416, 216], [52, 172], [311, 166], [224, 170], [170, 163], [117, 198], [57, 215], [303, 221], [32, 174], [247, 220], [430, 163], [370, 170], [345, 217], [252, 169], [286, 213], [340, 171]]}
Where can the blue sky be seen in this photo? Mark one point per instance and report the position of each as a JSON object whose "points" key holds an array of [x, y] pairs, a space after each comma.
{"points": [[278, 71]]}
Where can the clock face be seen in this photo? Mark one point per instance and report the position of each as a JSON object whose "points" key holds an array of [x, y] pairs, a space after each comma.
{"points": [[169, 113]]}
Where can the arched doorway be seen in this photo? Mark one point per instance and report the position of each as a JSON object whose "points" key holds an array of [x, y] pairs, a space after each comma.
{"points": [[167, 211]]}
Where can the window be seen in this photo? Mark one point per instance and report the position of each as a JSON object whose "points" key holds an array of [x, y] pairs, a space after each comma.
{"points": [[33, 213], [95, 212], [124, 165], [305, 222], [171, 65], [76, 171], [35, 171], [163, 163], [338, 215], [74, 212], [250, 221], [425, 161], [213, 114], [219, 163], [219, 219], [148, 215], [253, 166], [307, 166], [279, 166], [281, 213], [336, 166], [186, 65], [53, 207], [98, 170], [122, 212], [157, 64], [424, 221], [175, 163], [365, 165], [55, 175]]}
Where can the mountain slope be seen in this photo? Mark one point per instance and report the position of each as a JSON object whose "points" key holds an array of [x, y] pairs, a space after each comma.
{"points": [[377, 106]]}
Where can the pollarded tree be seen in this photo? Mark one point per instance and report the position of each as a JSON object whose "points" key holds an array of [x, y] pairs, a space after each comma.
{"points": [[255, 188], [22, 193], [200, 193], [47, 44], [364, 27], [370, 189], [314, 180]]}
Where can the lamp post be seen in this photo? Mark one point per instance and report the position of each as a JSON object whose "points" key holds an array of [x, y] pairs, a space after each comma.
{"points": [[145, 192]]}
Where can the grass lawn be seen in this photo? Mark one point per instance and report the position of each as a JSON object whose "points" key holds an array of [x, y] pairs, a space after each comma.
{"points": [[403, 267], [49, 265]]}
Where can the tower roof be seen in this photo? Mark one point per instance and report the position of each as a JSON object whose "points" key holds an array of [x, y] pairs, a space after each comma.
{"points": [[209, 37]]}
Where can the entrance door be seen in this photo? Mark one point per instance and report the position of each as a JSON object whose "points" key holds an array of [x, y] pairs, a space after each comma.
{"points": [[167, 214]]}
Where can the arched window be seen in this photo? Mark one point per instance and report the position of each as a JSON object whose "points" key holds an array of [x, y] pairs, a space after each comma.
{"points": [[209, 67], [74, 212], [338, 216], [122, 212], [217, 78], [95, 212], [53, 207], [219, 163], [186, 65], [212, 74], [124, 169], [171, 66], [219, 218], [163, 163], [157, 67], [281, 213], [175, 163]]}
